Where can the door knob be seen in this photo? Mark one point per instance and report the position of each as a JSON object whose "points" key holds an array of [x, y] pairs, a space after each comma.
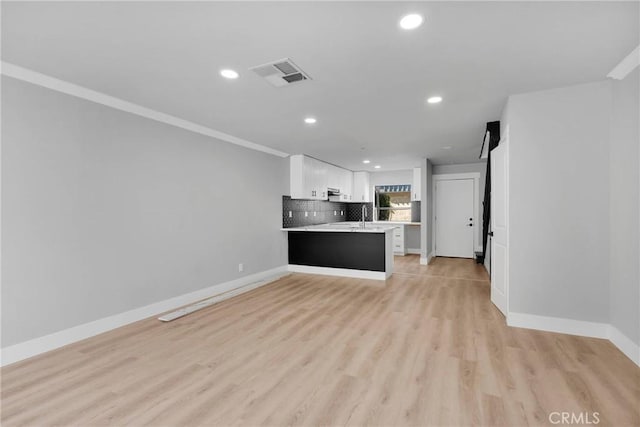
{"points": [[470, 225]]}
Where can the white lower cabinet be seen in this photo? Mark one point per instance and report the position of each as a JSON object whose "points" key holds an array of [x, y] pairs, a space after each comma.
{"points": [[399, 246]]}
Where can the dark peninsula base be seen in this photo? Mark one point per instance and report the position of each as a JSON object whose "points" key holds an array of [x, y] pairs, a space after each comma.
{"points": [[357, 251]]}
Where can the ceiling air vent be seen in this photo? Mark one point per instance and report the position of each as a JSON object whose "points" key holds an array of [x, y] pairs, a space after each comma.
{"points": [[281, 73]]}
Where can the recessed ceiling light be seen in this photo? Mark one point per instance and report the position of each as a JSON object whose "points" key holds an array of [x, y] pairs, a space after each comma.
{"points": [[229, 74], [366, 162], [377, 166], [410, 22], [434, 99], [310, 120], [448, 147]]}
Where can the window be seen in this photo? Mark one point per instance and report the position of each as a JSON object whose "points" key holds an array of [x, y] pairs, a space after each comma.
{"points": [[393, 203]]}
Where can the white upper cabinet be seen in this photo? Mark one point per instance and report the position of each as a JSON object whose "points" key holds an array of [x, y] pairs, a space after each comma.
{"points": [[310, 178], [322, 176], [307, 178], [346, 185], [340, 179], [416, 187], [361, 190], [334, 178], [298, 180]]}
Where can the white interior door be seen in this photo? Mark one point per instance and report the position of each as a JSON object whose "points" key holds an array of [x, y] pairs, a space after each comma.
{"points": [[454, 218], [499, 226]]}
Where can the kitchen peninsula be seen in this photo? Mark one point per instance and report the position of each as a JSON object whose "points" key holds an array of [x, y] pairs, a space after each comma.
{"points": [[342, 249]]}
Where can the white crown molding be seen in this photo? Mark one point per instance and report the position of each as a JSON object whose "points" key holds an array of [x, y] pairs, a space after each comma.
{"points": [[627, 65], [33, 77], [27, 349]]}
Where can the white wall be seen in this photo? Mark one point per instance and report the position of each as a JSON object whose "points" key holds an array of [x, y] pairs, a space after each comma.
{"points": [[399, 177], [559, 214], [104, 212], [624, 190], [479, 167]]}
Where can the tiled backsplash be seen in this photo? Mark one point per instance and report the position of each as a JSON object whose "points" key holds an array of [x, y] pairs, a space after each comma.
{"points": [[354, 211], [311, 212]]}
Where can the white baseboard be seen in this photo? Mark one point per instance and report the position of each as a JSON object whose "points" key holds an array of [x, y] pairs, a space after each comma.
{"points": [[343, 272], [577, 327], [625, 344], [413, 251], [557, 324], [427, 260], [36, 346]]}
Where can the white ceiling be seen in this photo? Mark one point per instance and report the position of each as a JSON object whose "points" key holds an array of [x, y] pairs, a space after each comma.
{"points": [[370, 78]]}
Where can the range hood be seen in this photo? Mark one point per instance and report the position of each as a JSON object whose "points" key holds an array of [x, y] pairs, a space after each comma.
{"points": [[334, 194]]}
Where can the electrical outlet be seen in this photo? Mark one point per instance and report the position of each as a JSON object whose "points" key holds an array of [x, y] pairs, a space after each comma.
{"points": [[306, 214], [335, 213], [341, 213], [241, 267], [290, 214]]}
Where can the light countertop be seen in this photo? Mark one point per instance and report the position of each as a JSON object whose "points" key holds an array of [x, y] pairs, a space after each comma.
{"points": [[347, 227], [397, 223]]}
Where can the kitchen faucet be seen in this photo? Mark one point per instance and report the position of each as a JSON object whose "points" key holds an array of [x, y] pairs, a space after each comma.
{"points": [[364, 215]]}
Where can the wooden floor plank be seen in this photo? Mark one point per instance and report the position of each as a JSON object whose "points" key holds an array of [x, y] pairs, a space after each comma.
{"points": [[425, 347]]}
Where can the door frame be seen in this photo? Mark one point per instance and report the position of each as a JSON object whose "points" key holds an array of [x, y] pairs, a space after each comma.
{"points": [[477, 245]]}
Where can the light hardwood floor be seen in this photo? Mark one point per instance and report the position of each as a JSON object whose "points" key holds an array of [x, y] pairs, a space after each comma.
{"points": [[424, 348]]}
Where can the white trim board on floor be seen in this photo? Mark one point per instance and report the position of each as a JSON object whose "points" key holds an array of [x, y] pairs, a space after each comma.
{"points": [[557, 324], [427, 260], [343, 272], [627, 65], [27, 349], [624, 344], [577, 327]]}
